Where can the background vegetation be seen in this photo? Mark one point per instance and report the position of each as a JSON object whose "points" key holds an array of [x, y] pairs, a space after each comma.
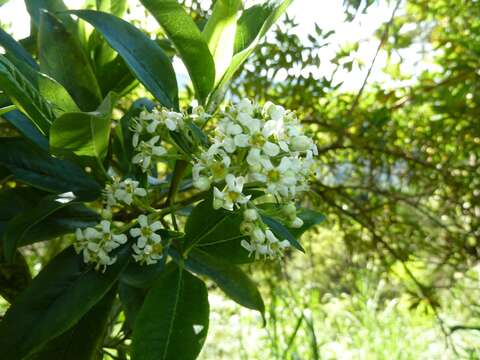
{"points": [[392, 273]]}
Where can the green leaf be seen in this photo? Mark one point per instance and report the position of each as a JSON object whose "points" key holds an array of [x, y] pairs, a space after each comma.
{"points": [[7, 109], [281, 232], [14, 236], [142, 276], [216, 232], [42, 171], [56, 94], [145, 58], [310, 218], [85, 339], [189, 42], [35, 8], [25, 127], [15, 49], [219, 33], [231, 279], [24, 94], [116, 76], [62, 57], [132, 299], [83, 134], [64, 291], [173, 321], [253, 24]]}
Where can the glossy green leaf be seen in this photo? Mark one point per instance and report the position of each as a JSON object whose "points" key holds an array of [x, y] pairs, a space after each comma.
{"points": [[216, 232], [85, 339], [253, 20], [281, 232], [24, 94], [189, 42], [219, 32], [231, 279], [15, 49], [144, 57], [42, 171], [56, 94], [116, 76], [35, 7], [132, 299], [83, 134], [19, 226], [62, 57], [64, 291], [173, 321], [25, 127]]}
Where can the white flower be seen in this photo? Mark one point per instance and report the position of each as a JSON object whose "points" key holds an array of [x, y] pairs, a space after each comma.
{"points": [[127, 189], [95, 244], [173, 120], [245, 106], [146, 231], [148, 248], [232, 195], [148, 150]]}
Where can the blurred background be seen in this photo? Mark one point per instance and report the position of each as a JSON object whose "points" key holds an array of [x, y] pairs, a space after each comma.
{"points": [[390, 90]]}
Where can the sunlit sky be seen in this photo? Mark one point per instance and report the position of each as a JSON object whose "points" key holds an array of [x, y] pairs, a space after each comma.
{"points": [[328, 14]]}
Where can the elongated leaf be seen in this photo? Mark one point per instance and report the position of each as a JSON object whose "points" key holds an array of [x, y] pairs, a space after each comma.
{"points": [[282, 232], [42, 171], [132, 299], [83, 134], [84, 340], [63, 292], [62, 57], [219, 33], [189, 42], [116, 76], [26, 128], [253, 20], [56, 94], [233, 281], [144, 57], [173, 321], [25, 96], [18, 227], [35, 7], [216, 232], [15, 49]]}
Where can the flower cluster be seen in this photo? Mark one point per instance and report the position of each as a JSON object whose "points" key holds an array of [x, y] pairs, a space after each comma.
{"points": [[264, 146], [249, 146], [262, 240], [96, 244]]}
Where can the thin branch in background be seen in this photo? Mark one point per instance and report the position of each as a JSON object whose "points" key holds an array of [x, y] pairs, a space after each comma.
{"points": [[383, 39]]}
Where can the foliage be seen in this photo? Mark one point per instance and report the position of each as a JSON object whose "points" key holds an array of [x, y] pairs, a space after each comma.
{"points": [[127, 186]]}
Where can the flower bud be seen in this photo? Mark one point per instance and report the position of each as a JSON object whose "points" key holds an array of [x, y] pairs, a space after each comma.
{"points": [[301, 143], [258, 235], [246, 227], [290, 210], [297, 223], [202, 183], [250, 215]]}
